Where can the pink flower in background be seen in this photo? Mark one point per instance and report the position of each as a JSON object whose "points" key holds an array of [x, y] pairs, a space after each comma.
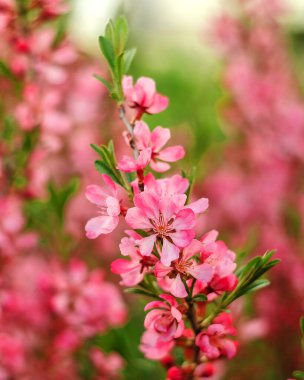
{"points": [[156, 140], [132, 271], [214, 341], [108, 366], [165, 318], [185, 267], [163, 219], [85, 301], [143, 96], [108, 206], [129, 164], [12, 356]]}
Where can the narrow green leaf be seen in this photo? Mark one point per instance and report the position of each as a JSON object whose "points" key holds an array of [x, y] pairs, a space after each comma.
{"points": [[104, 82], [256, 285], [298, 374], [128, 58], [110, 32], [121, 34], [107, 50]]}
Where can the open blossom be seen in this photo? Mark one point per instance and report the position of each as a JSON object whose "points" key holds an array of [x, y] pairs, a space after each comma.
{"points": [[165, 318], [143, 96], [156, 140], [221, 259], [215, 341], [109, 208], [132, 271], [185, 267], [129, 164], [163, 219]]}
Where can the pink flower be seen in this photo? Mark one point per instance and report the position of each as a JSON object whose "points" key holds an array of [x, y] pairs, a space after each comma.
{"points": [[221, 259], [163, 219], [129, 164], [132, 271], [165, 319], [109, 207], [185, 267], [153, 348], [156, 141], [143, 96], [215, 341]]}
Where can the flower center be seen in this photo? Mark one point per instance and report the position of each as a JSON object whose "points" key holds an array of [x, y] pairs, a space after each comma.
{"points": [[161, 226]]}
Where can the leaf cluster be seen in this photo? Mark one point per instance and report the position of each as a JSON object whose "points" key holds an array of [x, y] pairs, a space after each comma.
{"points": [[113, 47]]}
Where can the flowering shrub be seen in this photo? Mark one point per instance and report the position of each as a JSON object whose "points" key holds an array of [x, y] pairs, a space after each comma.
{"points": [[193, 281]]}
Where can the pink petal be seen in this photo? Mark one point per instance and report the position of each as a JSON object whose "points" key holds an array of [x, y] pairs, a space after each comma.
{"points": [[133, 277], [120, 266], [176, 313], [192, 249], [159, 166], [146, 245], [100, 225], [169, 252], [159, 138], [151, 316], [137, 219], [172, 153], [180, 329], [171, 300], [148, 203], [210, 237], [155, 305], [167, 207], [95, 194], [160, 103], [147, 87], [127, 247], [184, 220], [144, 158], [110, 183], [228, 348], [161, 270], [202, 272], [178, 288], [127, 164], [199, 206], [182, 238], [142, 134], [113, 206], [127, 85]]}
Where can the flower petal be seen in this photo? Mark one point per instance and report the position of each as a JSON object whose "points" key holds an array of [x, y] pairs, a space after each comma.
{"points": [[159, 138], [178, 288], [137, 219], [146, 245], [169, 253], [199, 206], [160, 103], [172, 153], [100, 225]]}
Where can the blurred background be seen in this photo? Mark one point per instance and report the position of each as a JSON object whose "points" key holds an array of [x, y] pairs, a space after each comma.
{"points": [[233, 71]]}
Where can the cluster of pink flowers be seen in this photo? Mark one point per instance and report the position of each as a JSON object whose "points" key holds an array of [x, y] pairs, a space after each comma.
{"points": [[161, 248], [257, 193], [51, 304]]}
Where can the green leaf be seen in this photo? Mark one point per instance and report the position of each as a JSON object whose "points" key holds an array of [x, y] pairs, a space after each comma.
{"points": [[107, 50], [110, 32], [256, 285], [200, 298], [121, 34], [128, 58], [103, 81], [103, 168]]}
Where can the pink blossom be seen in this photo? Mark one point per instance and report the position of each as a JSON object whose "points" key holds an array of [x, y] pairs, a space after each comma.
{"points": [[132, 271], [129, 164], [165, 318], [85, 301], [221, 259], [109, 208], [12, 356], [185, 268], [143, 96], [163, 219], [153, 347], [214, 342], [156, 140]]}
